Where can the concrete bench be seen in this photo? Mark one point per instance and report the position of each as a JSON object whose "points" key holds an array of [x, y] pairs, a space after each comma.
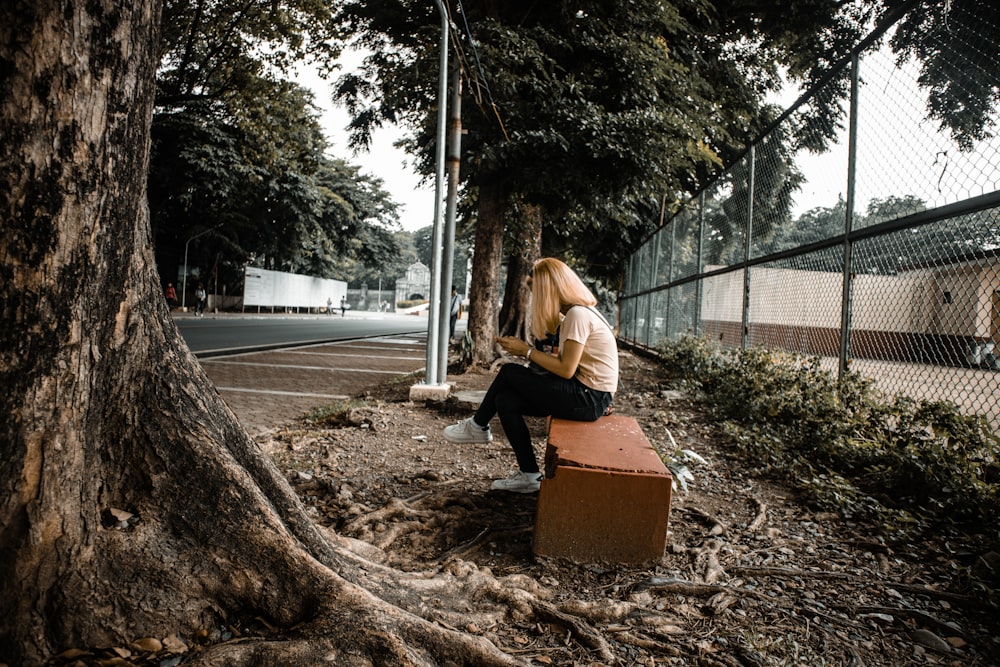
{"points": [[605, 496]]}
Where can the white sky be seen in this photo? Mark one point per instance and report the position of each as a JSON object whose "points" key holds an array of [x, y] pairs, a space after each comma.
{"points": [[383, 160], [900, 151]]}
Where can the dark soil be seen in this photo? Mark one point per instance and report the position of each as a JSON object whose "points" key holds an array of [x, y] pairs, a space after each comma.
{"points": [[749, 576]]}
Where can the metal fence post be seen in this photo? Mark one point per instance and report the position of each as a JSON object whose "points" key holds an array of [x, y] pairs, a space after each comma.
{"points": [[852, 156], [745, 337], [653, 270], [700, 263], [670, 276]]}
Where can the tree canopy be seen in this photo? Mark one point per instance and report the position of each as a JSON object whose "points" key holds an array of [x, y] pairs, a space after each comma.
{"points": [[587, 116], [593, 111], [238, 149], [962, 92]]}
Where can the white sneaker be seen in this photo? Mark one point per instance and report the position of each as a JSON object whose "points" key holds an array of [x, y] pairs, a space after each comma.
{"points": [[467, 431], [519, 482]]}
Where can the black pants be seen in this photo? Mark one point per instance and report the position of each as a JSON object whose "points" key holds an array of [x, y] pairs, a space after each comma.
{"points": [[518, 391]]}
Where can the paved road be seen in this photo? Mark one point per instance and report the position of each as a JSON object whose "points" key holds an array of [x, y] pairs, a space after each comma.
{"points": [[271, 369], [215, 335]]}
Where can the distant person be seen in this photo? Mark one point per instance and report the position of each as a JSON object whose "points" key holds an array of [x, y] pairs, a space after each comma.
{"points": [[456, 311], [329, 305], [343, 306], [578, 382], [200, 300], [171, 296]]}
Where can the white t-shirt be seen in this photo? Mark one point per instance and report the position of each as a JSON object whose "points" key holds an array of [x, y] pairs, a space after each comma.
{"points": [[598, 367]]}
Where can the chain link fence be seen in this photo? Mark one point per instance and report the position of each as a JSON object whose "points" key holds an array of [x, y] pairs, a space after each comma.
{"points": [[880, 254]]}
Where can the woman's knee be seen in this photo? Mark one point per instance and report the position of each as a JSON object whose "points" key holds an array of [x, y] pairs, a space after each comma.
{"points": [[508, 372]]}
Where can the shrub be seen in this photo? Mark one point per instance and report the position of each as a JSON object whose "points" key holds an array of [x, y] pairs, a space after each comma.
{"points": [[902, 462]]}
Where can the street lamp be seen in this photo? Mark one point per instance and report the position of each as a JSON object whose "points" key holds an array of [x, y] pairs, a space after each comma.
{"points": [[184, 280]]}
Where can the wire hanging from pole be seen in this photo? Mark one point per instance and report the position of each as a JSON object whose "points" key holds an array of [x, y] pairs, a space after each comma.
{"points": [[477, 77]]}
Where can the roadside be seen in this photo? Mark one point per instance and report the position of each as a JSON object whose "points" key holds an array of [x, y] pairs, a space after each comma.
{"points": [[274, 386], [749, 577]]}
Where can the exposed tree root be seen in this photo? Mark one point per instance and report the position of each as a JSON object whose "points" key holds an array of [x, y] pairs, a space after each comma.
{"points": [[361, 526], [583, 633], [706, 562], [950, 629], [761, 516], [465, 547], [647, 643], [786, 572], [715, 526], [366, 633], [679, 587], [386, 537]]}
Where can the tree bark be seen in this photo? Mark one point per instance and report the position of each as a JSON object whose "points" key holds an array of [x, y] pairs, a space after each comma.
{"points": [[525, 249], [484, 291], [132, 504]]}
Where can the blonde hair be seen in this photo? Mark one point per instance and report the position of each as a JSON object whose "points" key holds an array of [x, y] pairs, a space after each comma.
{"points": [[553, 286]]}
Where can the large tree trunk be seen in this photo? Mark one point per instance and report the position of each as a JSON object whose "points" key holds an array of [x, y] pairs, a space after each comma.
{"points": [[132, 504], [525, 249], [485, 287]]}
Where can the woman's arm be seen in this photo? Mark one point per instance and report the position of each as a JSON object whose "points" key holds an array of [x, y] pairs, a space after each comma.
{"points": [[564, 365]]}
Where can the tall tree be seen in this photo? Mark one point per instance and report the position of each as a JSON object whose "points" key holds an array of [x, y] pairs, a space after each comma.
{"points": [[586, 112], [239, 150], [265, 188], [593, 110], [816, 224], [132, 504], [423, 238]]}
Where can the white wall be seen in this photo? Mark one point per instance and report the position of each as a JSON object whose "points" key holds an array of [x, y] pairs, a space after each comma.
{"points": [[276, 288], [911, 302]]}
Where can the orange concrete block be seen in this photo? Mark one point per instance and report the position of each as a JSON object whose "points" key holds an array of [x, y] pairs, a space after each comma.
{"points": [[605, 496]]}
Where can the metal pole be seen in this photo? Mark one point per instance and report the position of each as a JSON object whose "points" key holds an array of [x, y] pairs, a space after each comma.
{"points": [[651, 296], [448, 256], [433, 308], [655, 278], [846, 301], [184, 278], [700, 264], [745, 336], [667, 317], [630, 286]]}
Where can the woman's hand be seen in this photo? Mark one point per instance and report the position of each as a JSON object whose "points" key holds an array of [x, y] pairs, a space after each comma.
{"points": [[514, 346], [564, 365]]}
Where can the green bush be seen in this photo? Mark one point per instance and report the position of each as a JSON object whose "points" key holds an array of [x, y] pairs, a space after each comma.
{"points": [[907, 464]]}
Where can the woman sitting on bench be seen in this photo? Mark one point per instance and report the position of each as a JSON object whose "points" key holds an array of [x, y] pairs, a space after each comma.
{"points": [[576, 382]]}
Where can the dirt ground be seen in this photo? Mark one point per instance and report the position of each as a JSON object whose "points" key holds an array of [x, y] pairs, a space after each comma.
{"points": [[749, 575]]}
